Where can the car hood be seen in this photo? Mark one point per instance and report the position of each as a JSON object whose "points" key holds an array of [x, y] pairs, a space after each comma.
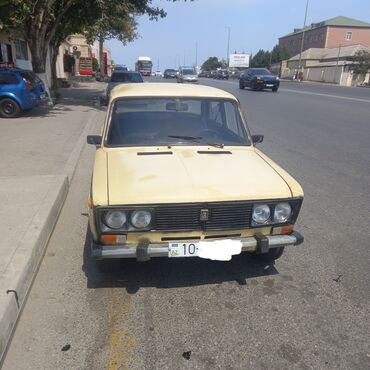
{"points": [[190, 76], [182, 174]]}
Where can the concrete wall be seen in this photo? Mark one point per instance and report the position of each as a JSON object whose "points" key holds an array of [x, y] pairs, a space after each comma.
{"points": [[337, 36]]}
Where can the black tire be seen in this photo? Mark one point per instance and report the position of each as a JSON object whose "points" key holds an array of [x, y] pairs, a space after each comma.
{"points": [[254, 86], [275, 89], [9, 108], [241, 85], [272, 255], [108, 266]]}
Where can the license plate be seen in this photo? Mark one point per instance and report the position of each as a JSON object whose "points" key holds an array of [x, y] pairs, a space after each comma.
{"points": [[182, 250], [269, 85]]}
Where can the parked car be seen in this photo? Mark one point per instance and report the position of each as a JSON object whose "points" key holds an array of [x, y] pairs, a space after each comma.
{"points": [[170, 73], [187, 75], [122, 77], [222, 74], [259, 79], [119, 67], [213, 74], [20, 90], [225, 198]]}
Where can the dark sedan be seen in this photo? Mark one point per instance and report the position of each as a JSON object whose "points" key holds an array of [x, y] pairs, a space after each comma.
{"points": [[259, 79], [170, 73], [122, 77]]}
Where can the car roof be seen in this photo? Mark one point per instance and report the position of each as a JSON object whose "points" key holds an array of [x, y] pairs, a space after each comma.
{"points": [[121, 71], [169, 90]]}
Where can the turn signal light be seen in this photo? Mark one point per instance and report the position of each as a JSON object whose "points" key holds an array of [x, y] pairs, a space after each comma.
{"points": [[282, 230], [113, 239]]}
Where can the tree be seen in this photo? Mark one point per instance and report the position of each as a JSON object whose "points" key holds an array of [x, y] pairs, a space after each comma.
{"points": [[362, 62], [279, 53], [261, 59], [212, 63], [39, 21]]}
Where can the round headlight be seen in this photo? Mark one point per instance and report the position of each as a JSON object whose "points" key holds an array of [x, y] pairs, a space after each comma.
{"points": [[141, 219], [115, 219], [261, 213], [282, 212]]}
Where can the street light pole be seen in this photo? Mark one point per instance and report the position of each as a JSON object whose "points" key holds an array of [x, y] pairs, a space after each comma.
{"points": [[196, 53], [302, 41], [228, 45]]}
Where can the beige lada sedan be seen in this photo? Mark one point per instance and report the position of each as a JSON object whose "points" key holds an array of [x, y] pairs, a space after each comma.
{"points": [[177, 174]]}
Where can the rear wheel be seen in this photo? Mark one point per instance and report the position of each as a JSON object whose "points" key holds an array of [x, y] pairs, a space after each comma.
{"points": [[272, 255], [241, 85], [9, 108], [108, 266]]}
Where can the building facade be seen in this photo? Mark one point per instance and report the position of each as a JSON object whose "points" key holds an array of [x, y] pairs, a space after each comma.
{"points": [[330, 65], [331, 33]]}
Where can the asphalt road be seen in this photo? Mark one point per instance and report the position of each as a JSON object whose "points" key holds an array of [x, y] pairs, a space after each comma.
{"points": [[308, 311]]}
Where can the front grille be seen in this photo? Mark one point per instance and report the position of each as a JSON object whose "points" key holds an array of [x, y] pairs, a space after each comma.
{"points": [[222, 216]]}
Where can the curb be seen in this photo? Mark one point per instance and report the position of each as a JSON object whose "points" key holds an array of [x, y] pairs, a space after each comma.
{"points": [[21, 271]]}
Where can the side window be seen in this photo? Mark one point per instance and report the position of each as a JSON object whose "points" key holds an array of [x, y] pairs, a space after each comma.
{"points": [[8, 79], [231, 119]]}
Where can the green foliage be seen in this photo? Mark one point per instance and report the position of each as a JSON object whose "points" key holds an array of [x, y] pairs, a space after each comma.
{"points": [[278, 54], [95, 64], [213, 63], [362, 60], [261, 59]]}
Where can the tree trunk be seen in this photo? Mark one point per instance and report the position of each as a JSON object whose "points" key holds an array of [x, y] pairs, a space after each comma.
{"points": [[54, 56], [101, 56]]}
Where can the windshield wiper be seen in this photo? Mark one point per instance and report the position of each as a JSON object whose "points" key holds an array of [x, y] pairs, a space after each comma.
{"points": [[196, 139]]}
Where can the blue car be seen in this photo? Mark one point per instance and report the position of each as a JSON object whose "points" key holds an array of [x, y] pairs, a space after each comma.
{"points": [[20, 90]]}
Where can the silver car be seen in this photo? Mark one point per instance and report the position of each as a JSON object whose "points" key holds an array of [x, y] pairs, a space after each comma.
{"points": [[187, 75]]}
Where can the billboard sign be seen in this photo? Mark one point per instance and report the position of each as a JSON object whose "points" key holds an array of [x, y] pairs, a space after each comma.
{"points": [[239, 60]]}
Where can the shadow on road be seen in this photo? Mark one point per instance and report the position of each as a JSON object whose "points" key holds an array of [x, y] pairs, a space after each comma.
{"points": [[173, 273]]}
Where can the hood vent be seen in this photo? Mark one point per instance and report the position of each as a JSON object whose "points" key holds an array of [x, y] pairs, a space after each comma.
{"points": [[154, 153], [214, 152]]}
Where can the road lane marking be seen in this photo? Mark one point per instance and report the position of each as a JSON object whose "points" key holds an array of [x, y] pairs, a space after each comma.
{"points": [[326, 95], [120, 344], [308, 93]]}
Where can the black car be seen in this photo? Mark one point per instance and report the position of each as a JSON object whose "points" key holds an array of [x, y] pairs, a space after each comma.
{"points": [[170, 73], [122, 77], [259, 79], [222, 74]]}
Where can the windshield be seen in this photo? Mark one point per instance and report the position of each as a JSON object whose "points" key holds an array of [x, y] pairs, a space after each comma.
{"points": [[188, 72], [145, 64], [126, 77], [260, 71], [176, 121]]}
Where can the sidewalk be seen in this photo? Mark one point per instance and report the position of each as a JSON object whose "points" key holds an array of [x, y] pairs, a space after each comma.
{"points": [[39, 152]]}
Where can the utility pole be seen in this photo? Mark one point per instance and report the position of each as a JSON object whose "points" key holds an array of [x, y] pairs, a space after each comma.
{"points": [[336, 67], [196, 53], [184, 56], [228, 45], [302, 41]]}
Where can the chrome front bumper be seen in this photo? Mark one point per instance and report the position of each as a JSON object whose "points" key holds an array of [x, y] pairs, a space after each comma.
{"points": [[144, 250]]}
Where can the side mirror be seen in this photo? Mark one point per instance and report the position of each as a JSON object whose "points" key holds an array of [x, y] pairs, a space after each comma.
{"points": [[103, 101], [94, 140], [257, 139]]}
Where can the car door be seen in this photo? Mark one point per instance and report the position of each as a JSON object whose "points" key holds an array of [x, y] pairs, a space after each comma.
{"points": [[248, 78]]}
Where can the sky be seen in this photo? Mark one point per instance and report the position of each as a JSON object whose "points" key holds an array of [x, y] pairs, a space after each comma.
{"points": [[194, 31]]}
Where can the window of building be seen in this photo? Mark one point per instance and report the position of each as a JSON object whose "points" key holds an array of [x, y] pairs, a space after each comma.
{"points": [[21, 51], [349, 36]]}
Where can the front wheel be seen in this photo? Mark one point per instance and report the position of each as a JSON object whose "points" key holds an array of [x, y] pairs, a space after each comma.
{"points": [[108, 266], [275, 89], [241, 85], [271, 256], [9, 108]]}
